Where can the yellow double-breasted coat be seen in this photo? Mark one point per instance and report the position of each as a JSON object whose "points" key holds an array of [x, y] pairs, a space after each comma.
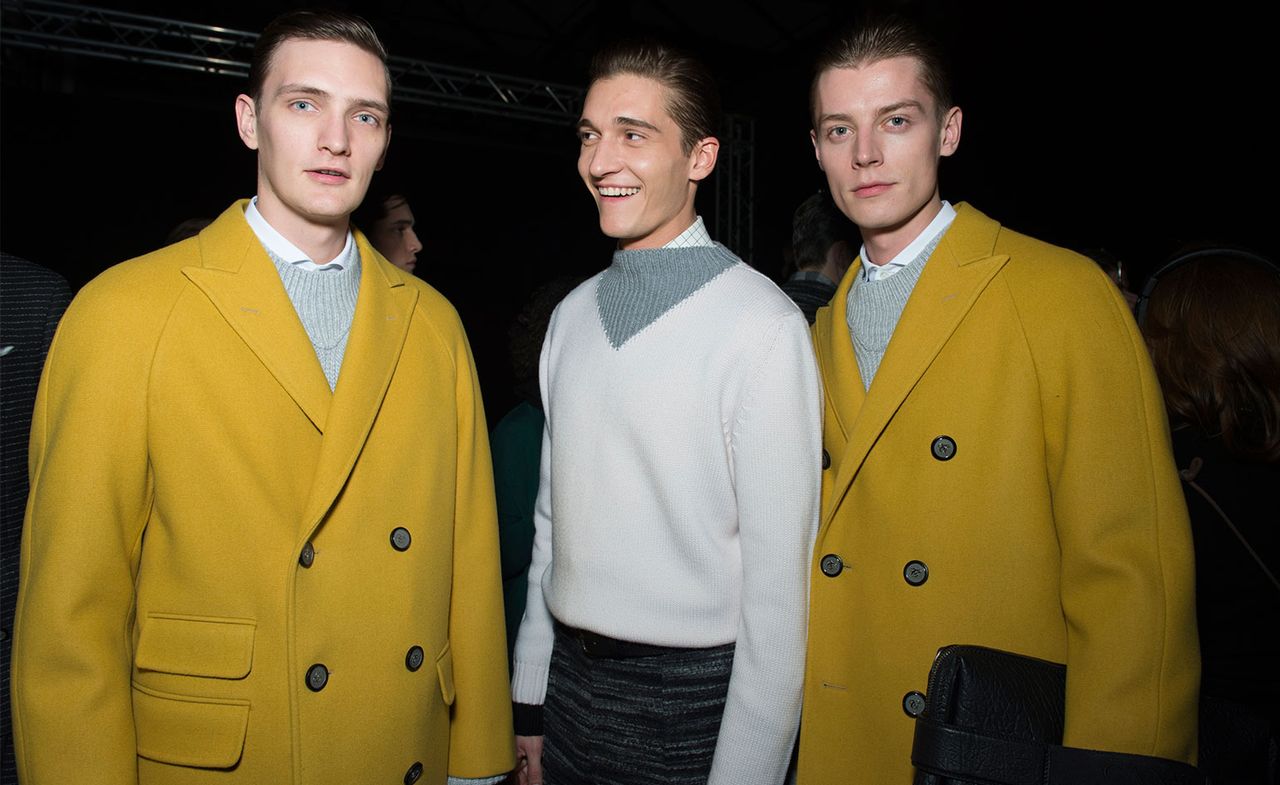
{"points": [[231, 574], [1006, 481]]}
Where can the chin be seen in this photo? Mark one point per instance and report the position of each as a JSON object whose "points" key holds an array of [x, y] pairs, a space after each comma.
{"points": [[613, 232]]}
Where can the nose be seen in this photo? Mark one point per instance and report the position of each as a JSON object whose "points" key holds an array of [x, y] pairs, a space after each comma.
{"points": [[602, 158], [334, 135], [412, 242], [866, 151]]}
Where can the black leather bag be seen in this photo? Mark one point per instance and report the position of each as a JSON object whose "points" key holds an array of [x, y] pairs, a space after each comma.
{"points": [[995, 718]]}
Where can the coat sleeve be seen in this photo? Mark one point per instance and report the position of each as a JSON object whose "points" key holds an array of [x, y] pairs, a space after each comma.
{"points": [[90, 497], [1127, 584], [480, 743]]}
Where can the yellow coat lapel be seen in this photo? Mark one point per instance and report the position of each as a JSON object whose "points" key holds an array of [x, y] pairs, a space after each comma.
{"points": [[836, 361], [239, 279], [383, 313], [242, 283], [960, 268]]}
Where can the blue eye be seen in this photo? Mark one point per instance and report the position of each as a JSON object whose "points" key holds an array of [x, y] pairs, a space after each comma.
{"points": [[898, 121], [366, 118], [301, 105]]}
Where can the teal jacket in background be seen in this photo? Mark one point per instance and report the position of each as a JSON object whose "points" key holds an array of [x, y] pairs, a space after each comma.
{"points": [[516, 443]]}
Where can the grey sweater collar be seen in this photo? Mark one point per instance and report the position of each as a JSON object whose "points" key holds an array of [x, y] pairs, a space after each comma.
{"points": [[642, 285]]}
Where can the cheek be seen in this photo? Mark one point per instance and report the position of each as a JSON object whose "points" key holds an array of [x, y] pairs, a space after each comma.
{"points": [[835, 159]]}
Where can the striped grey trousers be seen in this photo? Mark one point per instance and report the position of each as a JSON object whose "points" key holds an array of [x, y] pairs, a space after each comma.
{"points": [[636, 721]]}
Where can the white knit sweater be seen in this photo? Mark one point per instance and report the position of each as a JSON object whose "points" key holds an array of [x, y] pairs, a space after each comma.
{"points": [[679, 498]]}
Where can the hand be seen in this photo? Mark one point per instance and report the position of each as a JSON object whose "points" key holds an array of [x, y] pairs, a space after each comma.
{"points": [[529, 760]]}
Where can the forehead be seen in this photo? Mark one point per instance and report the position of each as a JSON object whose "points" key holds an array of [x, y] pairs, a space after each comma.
{"points": [[397, 210], [334, 66], [872, 86], [627, 95]]}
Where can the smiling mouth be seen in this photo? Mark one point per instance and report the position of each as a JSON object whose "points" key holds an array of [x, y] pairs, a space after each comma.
{"points": [[614, 191]]}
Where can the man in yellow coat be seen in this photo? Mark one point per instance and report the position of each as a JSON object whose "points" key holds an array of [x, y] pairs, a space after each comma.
{"points": [[998, 467], [261, 544]]}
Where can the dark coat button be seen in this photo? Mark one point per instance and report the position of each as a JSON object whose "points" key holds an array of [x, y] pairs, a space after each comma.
{"points": [[400, 538], [317, 677], [832, 565], [413, 660], [826, 460], [916, 572], [413, 774], [308, 555], [943, 448], [913, 703]]}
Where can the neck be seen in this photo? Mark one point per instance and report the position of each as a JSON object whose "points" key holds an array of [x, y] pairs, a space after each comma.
{"points": [[884, 244], [321, 242], [665, 233]]}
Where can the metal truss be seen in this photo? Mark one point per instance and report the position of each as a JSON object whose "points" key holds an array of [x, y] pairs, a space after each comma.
{"points": [[147, 40], [735, 194], [113, 35]]}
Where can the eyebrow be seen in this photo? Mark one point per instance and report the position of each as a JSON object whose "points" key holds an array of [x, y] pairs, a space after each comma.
{"points": [[587, 125], [910, 103], [635, 122], [304, 89]]}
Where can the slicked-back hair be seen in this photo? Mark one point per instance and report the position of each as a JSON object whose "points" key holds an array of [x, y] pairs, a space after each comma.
{"points": [[816, 226], [693, 100], [882, 38], [311, 25]]}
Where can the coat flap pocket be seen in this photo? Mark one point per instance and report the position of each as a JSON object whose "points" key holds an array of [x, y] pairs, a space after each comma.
{"points": [[183, 731], [209, 646], [444, 667]]}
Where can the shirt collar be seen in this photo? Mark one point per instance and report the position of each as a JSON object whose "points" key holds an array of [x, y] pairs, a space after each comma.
{"points": [[906, 256], [278, 245], [693, 237]]}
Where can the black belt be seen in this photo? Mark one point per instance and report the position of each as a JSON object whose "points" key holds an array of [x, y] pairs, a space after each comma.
{"points": [[599, 646]]}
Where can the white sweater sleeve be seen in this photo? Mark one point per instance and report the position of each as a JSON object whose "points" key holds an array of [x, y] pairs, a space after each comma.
{"points": [[532, 654], [777, 462]]}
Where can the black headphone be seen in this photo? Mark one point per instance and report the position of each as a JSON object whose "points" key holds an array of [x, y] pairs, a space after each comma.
{"points": [[1183, 259]]}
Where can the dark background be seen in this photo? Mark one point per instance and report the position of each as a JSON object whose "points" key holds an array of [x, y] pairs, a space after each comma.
{"points": [[1087, 125]]}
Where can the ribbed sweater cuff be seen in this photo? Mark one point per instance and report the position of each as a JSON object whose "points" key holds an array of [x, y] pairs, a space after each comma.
{"points": [[529, 683], [527, 719]]}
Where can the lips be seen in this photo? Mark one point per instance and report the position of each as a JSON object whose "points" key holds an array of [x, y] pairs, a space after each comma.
{"points": [[871, 189], [329, 175], [617, 190]]}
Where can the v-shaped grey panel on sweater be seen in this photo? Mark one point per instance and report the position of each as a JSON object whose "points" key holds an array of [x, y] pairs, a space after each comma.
{"points": [[641, 285]]}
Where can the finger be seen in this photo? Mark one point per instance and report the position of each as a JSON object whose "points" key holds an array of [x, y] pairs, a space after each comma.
{"points": [[535, 770]]}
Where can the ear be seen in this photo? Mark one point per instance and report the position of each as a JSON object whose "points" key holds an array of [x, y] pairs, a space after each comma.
{"points": [[382, 159], [813, 137], [247, 121], [949, 136], [703, 158]]}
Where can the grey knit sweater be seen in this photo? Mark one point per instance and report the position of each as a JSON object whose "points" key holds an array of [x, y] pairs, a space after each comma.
{"points": [[874, 307], [326, 305]]}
